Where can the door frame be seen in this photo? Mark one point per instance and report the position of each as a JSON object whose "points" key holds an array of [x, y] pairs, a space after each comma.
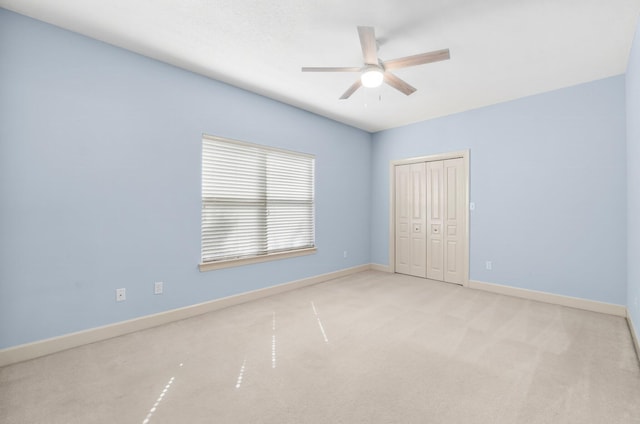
{"points": [[464, 154]]}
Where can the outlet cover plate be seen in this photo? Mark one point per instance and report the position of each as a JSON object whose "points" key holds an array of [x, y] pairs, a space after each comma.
{"points": [[121, 295]]}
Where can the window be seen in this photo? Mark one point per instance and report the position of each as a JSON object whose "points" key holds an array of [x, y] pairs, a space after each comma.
{"points": [[257, 203]]}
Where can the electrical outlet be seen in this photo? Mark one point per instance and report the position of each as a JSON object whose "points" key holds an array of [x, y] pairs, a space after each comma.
{"points": [[635, 301], [121, 295], [489, 265], [345, 254], [157, 287]]}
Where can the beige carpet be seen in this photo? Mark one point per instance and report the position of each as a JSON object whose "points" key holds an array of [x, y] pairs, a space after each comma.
{"points": [[369, 348]]}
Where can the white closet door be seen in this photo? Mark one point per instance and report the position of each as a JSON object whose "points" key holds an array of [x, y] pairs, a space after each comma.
{"points": [[435, 200], [430, 219], [445, 214], [453, 211], [410, 219]]}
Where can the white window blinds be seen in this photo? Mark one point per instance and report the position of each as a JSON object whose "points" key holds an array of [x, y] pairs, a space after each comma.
{"points": [[255, 200]]}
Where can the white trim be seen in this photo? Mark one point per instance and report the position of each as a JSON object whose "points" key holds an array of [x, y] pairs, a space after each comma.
{"points": [[464, 154], [210, 266], [40, 348], [555, 299], [379, 267], [431, 158], [56, 344], [634, 335]]}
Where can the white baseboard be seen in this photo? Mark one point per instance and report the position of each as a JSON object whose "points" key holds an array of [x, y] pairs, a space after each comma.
{"points": [[39, 348], [556, 299], [382, 268], [634, 335]]}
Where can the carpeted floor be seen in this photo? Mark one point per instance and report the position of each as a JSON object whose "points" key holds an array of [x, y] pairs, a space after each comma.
{"points": [[369, 348]]}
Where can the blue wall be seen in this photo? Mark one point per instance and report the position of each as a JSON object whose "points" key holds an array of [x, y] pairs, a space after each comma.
{"points": [[100, 182], [548, 178], [633, 181]]}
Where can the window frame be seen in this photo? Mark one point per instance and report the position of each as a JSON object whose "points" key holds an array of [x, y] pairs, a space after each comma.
{"points": [[245, 260]]}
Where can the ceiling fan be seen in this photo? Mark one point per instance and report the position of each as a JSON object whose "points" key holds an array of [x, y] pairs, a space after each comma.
{"points": [[375, 71]]}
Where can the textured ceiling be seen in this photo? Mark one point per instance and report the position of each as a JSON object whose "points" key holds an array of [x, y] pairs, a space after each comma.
{"points": [[500, 49]]}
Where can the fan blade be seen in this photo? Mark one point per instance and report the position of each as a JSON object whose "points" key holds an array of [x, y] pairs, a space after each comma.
{"points": [[351, 89], [398, 84], [419, 59], [368, 43], [330, 69]]}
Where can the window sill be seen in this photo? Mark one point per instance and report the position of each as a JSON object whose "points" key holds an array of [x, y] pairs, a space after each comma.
{"points": [[210, 266]]}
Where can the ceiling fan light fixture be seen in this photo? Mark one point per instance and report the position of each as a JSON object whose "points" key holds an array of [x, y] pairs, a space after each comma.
{"points": [[371, 76]]}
